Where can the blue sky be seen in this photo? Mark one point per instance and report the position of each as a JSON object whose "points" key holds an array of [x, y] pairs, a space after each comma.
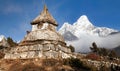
{"points": [[16, 15]]}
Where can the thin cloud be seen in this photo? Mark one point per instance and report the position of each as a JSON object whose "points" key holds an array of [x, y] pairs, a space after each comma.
{"points": [[24, 26], [12, 9], [54, 9], [83, 44]]}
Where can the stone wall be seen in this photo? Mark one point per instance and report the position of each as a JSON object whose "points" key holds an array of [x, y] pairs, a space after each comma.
{"points": [[39, 51], [101, 64]]}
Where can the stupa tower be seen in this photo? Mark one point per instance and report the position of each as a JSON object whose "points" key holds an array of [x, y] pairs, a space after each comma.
{"points": [[44, 17], [43, 28], [43, 41]]}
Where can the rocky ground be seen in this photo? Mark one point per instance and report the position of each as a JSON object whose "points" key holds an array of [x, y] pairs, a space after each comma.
{"points": [[70, 64], [31, 65], [36, 65]]}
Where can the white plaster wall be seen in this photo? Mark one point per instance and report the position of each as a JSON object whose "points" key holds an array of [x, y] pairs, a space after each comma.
{"points": [[34, 27], [45, 26]]}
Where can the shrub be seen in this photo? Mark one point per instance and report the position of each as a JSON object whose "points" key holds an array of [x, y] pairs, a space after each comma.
{"points": [[15, 66], [102, 51], [49, 62], [72, 48], [11, 42], [1, 55], [112, 54], [27, 67], [32, 67], [93, 56], [94, 48], [75, 63]]}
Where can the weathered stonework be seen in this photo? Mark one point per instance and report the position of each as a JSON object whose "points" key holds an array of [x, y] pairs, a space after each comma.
{"points": [[39, 51], [42, 42]]}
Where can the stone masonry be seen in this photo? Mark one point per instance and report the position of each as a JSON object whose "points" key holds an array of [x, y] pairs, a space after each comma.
{"points": [[43, 41]]}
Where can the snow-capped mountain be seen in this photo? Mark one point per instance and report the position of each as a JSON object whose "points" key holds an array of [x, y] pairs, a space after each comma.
{"points": [[3, 41], [83, 33], [2, 37], [83, 25]]}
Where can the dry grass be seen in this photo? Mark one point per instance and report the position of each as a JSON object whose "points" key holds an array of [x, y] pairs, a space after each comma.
{"points": [[34, 65], [1, 55], [26, 67]]}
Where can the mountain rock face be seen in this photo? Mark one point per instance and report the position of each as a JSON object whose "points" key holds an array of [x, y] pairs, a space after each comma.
{"points": [[83, 25], [83, 33], [69, 36], [1, 37], [42, 42], [3, 41]]}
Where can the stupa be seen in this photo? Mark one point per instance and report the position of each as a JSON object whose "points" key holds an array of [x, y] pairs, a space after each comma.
{"points": [[43, 41]]}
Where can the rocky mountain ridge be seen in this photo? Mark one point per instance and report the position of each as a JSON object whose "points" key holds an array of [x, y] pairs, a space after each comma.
{"points": [[3, 41], [83, 25], [83, 33]]}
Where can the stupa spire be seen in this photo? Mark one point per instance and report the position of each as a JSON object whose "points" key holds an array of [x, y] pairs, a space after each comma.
{"points": [[45, 8], [44, 16]]}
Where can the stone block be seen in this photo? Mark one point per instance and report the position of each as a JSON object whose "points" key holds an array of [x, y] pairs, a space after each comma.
{"points": [[22, 49], [46, 47], [23, 55], [16, 56], [36, 54], [40, 47], [64, 49], [31, 54], [35, 47], [52, 47], [64, 55], [7, 56], [51, 54], [40, 54]]}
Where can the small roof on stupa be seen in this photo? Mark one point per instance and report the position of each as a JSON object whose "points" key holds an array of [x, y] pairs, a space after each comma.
{"points": [[44, 16]]}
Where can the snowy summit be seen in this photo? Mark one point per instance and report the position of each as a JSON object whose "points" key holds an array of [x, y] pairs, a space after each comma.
{"points": [[83, 33], [2, 37], [85, 26]]}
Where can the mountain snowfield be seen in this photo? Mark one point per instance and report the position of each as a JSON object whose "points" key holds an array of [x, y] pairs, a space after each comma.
{"points": [[3, 41], [83, 33], [2, 37]]}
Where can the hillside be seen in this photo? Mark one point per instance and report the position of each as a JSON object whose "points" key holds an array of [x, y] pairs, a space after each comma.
{"points": [[117, 50], [70, 64]]}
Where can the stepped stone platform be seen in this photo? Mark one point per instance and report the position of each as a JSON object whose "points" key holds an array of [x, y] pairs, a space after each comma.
{"points": [[46, 50], [43, 41]]}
